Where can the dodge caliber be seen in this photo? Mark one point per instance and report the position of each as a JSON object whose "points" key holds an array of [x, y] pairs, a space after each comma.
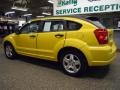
{"points": [[75, 43]]}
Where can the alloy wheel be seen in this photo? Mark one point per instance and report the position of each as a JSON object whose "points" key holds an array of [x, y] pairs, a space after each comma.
{"points": [[71, 63], [9, 50]]}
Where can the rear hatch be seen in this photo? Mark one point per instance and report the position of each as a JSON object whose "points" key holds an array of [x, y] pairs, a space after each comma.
{"points": [[107, 33]]}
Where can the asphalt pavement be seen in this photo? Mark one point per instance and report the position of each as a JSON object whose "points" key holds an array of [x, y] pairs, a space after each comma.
{"points": [[25, 73]]}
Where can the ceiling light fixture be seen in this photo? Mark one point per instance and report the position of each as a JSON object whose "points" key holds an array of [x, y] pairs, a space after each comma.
{"points": [[10, 20], [20, 9], [40, 16], [27, 15], [44, 13], [50, 1], [11, 12]]}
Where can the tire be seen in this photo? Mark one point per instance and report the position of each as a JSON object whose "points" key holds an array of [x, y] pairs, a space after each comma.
{"points": [[73, 63], [9, 51]]}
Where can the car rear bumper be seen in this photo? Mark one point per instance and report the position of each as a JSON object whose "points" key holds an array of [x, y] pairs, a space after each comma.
{"points": [[100, 56]]}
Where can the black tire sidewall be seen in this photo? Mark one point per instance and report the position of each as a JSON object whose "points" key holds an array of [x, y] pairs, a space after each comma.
{"points": [[13, 51]]}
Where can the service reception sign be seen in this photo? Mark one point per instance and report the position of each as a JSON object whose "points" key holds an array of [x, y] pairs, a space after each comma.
{"points": [[69, 7]]}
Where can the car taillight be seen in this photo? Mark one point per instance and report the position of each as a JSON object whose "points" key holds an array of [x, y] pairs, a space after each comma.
{"points": [[101, 35]]}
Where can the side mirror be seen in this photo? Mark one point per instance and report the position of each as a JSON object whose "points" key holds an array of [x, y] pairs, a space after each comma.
{"points": [[17, 31]]}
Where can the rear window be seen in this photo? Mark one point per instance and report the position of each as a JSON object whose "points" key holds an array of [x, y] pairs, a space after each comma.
{"points": [[96, 22]]}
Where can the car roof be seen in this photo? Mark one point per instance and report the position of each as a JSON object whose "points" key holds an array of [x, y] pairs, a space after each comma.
{"points": [[61, 17], [75, 17]]}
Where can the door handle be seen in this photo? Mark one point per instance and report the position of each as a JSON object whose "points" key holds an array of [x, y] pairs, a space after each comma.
{"points": [[32, 36], [59, 35]]}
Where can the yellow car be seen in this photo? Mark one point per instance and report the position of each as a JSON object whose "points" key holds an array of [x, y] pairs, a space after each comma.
{"points": [[74, 42]]}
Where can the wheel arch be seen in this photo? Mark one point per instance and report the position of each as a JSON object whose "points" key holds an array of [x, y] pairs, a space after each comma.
{"points": [[70, 48], [6, 42], [9, 40]]}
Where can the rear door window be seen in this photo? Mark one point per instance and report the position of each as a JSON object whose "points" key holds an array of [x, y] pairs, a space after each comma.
{"points": [[70, 25], [57, 26]]}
